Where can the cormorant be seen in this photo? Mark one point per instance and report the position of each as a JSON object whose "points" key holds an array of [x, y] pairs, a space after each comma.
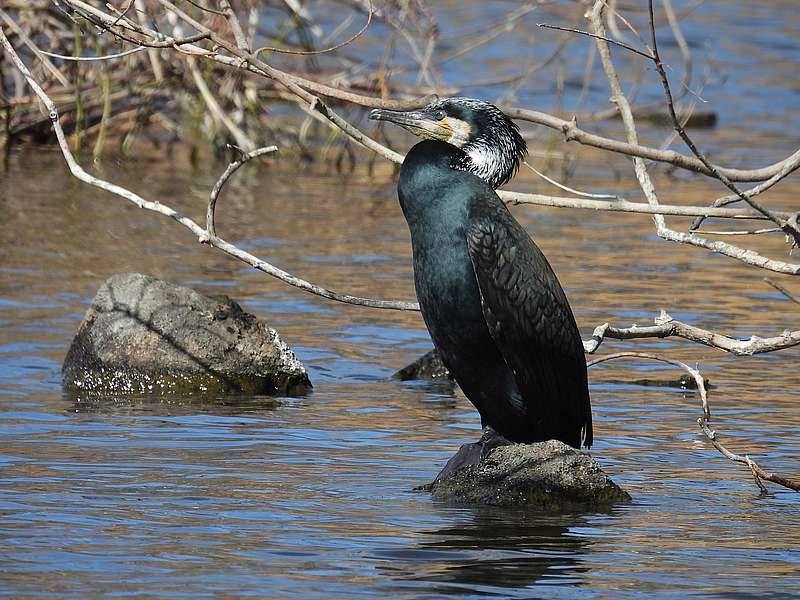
{"points": [[492, 304]]}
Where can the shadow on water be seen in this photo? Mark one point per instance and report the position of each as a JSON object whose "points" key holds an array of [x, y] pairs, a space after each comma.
{"points": [[486, 547]]}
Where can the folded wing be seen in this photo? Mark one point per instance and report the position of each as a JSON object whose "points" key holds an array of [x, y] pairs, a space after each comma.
{"points": [[532, 324]]}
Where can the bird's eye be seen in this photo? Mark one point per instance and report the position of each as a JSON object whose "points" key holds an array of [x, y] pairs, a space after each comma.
{"points": [[439, 115]]}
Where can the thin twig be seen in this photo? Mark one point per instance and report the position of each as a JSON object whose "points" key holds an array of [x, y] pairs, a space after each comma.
{"points": [[29, 43], [759, 474], [786, 225], [757, 471], [739, 232], [788, 166], [698, 378], [572, 132], [783, 290], [206, 8], [569, 128], [349, 40], [627, 206], [95, 58], [567, 188], [750, 257], [230, 170], [596, 36]]}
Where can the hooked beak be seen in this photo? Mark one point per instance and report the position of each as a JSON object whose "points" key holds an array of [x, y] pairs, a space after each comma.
{"points": [[417, 122]]}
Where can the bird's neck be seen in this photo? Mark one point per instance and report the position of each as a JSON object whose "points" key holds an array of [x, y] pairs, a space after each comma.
{"points": [[494, 164]]}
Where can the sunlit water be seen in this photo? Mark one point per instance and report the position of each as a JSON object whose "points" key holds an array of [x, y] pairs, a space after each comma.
{"points": [[312, 497]]}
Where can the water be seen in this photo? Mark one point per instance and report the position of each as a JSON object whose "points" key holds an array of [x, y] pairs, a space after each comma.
{"points": [[311, 497]]}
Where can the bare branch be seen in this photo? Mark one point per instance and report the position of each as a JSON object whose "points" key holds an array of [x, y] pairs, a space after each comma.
{"points": [[594, 35], [236, 26], [95, 58], [572, 132], [787, 226], [566, 188], [698, 378], [665, 327], [197, 230], [628, 207], [349, 40], [788, 166], [645, 183], [757, 471], [740, 232], [239, 59], [230, 170], [29, 43]]}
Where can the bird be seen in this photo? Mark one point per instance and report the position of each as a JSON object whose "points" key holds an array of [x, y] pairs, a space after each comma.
{"points": [[492, 303]]}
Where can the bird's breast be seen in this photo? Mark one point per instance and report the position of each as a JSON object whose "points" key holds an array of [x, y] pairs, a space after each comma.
{"points": [[446, 288]]}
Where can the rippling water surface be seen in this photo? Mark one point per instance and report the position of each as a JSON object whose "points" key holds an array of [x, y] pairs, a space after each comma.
{"points": [[311, 497]]}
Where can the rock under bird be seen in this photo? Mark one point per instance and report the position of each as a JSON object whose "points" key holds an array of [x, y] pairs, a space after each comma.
{"points": [[492, 304]]}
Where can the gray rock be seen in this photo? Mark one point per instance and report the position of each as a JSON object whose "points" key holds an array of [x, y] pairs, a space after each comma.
{"points": [[549, 475], [428, 366], [145, 335]]}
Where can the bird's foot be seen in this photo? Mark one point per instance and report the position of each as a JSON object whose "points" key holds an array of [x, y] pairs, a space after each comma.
{"points": [[490, 440], [474, 453]]}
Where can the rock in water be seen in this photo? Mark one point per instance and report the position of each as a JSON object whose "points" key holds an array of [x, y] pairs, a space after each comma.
{"points": [[143, 335], [549, 475], [427, 366]]}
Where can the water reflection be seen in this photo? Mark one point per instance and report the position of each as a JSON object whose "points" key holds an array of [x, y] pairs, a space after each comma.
{"points": [[105, 405], [485, 548]]}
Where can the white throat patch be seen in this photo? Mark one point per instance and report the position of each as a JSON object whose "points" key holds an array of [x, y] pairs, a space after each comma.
{"points": [[484, 161]]}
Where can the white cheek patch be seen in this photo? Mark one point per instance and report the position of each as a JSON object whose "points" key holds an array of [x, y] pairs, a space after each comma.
{"points": [[461, 130]]}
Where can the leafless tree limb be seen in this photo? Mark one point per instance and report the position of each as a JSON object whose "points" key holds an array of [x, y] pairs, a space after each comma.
{"points": [[740, 232], [568, 128], [783, 290], [95, 58], [349, 40], [201, 233], [244, 157], [698, 378], [788, 166], [786, 225], [572, 132], [666, 323], [759, 474], [515, 198], [618, 97], [665, 326], [627, 47]]}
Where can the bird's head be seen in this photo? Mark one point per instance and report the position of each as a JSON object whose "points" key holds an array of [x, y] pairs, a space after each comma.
{"points": [[492, 144]]}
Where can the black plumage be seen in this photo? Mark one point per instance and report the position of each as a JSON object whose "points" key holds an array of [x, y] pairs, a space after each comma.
{"points": [[492, 303]]}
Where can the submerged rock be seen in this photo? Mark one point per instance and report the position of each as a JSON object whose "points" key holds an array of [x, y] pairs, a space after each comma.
{"points": [[428, 366], [143, 334], [549, 475]]}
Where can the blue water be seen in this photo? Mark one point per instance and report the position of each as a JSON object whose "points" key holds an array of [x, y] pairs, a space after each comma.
{"points": [[312, 497]]}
